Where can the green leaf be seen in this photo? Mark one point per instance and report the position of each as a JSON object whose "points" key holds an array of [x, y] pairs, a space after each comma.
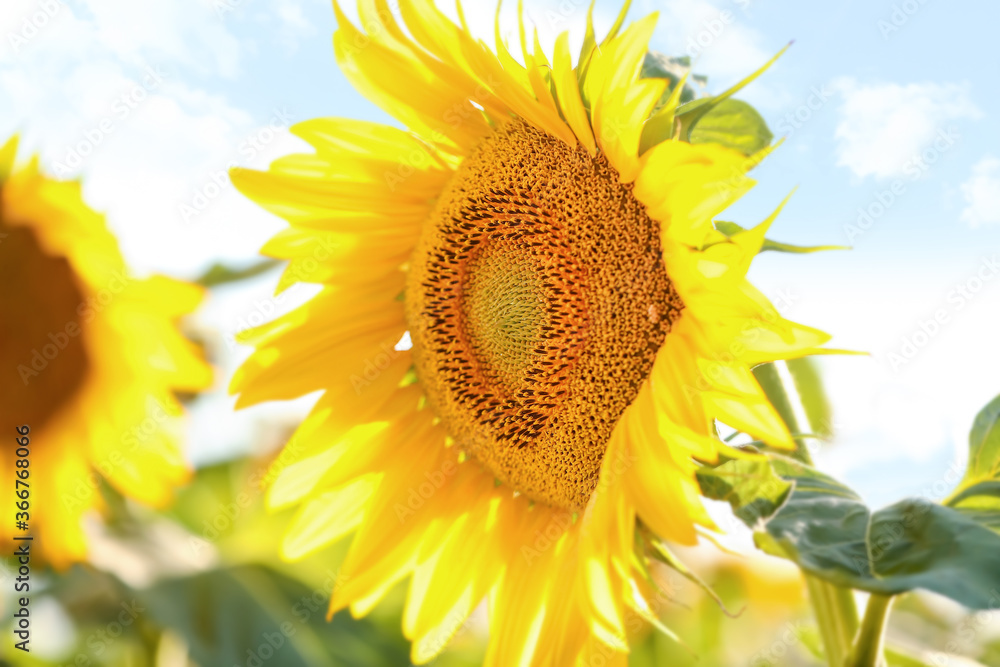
{"points": [[989, 491], [750, 486], [689, 114], [731, 228], [812, 395], [733, 124], [980, 488], [771, 382], [220, 274], [806, 390], [984, 441], [660, 66], [828, 531], [226, 615], [988, 517]]}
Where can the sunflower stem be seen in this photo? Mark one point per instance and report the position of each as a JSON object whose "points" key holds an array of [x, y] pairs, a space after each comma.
{"points": [[837, 617], [869, 647]]}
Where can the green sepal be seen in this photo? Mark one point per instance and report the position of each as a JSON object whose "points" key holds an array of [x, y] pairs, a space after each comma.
{"points": [[689, 114], [731, 228], [220, 274], [808, 389], [675, 70], [659, 551]]}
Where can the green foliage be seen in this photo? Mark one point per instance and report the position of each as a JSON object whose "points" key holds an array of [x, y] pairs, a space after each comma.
{"points": [[661, 553], [809, 387], [689, 115], [751, 487], [984, 442], [978, 494], [660, 66], [225, 616], [220, 274], [806, 389], [733, 124], [826, 529], [719, 119], [897, 658], [911, 544]]}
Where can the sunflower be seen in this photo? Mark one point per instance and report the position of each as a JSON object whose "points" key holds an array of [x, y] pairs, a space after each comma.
{"points": [[91, 358], [527, 329]]}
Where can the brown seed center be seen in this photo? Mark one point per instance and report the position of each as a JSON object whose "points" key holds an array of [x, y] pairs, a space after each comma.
{"points": [[537, 301], [42, 352]]}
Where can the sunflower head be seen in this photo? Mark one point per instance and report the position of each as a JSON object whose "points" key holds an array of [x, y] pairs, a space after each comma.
{"points": [[543, 231], [537, 301], [91, 358]]}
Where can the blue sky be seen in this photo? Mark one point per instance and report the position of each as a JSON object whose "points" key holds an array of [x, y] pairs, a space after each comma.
{"points": [[885, 107]]}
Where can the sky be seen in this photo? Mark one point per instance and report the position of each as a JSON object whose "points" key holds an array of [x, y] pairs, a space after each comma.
{"points": [[887, 111]]}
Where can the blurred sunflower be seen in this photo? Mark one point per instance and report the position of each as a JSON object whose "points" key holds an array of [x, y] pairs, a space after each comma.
{"points": [[577, 326], [91, 359]]}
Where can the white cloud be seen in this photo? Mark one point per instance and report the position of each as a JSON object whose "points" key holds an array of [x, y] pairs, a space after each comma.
{"points": [[103, 89], [713, 36], [126, 95], [982, 193], [186, 32], [883, 128]]}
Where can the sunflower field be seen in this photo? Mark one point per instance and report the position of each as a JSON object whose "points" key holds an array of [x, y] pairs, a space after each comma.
{"points": [[542, 334]]}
